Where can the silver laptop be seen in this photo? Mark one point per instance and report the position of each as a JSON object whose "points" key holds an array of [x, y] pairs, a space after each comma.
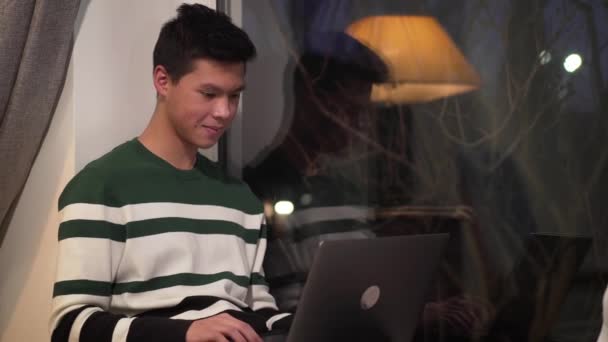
{"points": [[367, 290]]}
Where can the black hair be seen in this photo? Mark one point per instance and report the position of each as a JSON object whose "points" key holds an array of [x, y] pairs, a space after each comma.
{"points": [[329, 57], [200, 32]]}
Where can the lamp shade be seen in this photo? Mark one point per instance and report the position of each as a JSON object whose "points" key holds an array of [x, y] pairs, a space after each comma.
{"points": [[424, 63]]}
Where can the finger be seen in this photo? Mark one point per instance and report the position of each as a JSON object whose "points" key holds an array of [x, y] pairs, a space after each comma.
{"points": [[466, 316], [247, 331], [483, 306], [226, 328], [244, 329], [465, 308], [460, 321], [467, 324], [234, 335], [454, 326], [220, 338]]}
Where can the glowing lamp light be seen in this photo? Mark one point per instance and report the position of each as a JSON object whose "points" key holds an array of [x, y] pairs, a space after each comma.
{"points": [[424, 63], [283, 207], [573, 62]]}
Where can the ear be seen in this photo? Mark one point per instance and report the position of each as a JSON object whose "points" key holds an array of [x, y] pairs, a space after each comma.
{"points": [[162, 80]]}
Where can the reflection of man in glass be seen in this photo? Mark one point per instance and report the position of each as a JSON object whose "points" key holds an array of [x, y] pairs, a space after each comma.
{"points": [[310, 168], [332, 84]]}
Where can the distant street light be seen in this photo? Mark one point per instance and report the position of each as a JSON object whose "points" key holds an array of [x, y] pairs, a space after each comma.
{"points": [[283, 207], [544, 57], [573, 62]]}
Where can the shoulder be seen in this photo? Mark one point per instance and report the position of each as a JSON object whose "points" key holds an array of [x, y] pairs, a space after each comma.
{"points": [[91, 184], [273, 177], [229, 191]]}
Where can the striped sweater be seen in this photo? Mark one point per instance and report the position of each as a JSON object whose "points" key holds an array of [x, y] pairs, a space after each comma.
{"points": [[145, 249], [327, 206]]}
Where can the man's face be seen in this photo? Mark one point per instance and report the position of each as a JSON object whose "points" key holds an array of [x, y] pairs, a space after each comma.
{"points": [[203, 103]]}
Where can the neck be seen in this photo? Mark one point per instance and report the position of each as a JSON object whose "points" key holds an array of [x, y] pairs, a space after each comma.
{"points": [[161, 139]]}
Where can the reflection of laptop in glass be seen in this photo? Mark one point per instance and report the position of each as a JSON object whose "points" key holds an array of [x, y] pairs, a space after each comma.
{"points": [[367, 290], [540, 282]]}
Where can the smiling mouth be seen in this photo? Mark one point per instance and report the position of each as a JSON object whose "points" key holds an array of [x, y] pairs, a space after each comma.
{"points": [[213, 128]]}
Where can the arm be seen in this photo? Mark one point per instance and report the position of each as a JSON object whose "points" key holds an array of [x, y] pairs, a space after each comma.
{"points": [[604, 332], [259, 298], [91, 243]]}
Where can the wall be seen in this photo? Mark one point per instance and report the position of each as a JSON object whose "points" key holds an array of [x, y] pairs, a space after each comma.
{"points": [[107, 99]]}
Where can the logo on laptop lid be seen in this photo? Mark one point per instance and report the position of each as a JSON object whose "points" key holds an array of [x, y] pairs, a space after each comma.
{"points": [[370, 297]]}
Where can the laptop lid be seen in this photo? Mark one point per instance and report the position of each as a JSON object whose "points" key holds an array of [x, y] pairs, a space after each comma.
{"points": [[367, 290]]}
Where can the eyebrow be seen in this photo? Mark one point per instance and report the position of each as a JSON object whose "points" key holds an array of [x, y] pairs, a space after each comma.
{"points": [[215, 88]]}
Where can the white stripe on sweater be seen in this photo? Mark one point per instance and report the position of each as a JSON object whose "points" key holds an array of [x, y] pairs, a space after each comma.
{"points": [[179, 252], [155, 210], [121, 330], [97, 212], [79, 323], [259, 257], [62, 305], [259, 298], [274, 319], [135, 303], [59, 312], [88, 258], [320, 214], [214, 309]]}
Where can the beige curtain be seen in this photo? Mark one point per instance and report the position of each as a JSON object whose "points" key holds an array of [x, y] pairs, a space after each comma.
{"points": [[36, 39]]}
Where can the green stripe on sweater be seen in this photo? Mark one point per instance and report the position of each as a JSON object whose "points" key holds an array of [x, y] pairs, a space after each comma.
{"points": [[91, 229], [175, 224], [138, 229], [184, 279], [100, 288], [86, 287], [258, 279]]}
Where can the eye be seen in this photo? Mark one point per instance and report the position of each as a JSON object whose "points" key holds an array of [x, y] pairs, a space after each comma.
{"points": [[209, 95], [235, 97]]}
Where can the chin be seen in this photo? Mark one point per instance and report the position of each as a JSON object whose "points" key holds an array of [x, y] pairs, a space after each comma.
{"points": [[205, 144]]}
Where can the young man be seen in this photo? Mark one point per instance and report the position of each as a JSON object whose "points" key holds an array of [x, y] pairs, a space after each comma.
{"points": [[155, 242], [332, 79], [332, 85]]}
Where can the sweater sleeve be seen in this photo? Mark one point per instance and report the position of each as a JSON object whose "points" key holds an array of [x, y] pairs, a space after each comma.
{"points": [[259, 298], [604, 330], [91, 242]]}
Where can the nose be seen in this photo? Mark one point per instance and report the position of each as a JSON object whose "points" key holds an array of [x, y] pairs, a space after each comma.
{"points": [[222, 109]]}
